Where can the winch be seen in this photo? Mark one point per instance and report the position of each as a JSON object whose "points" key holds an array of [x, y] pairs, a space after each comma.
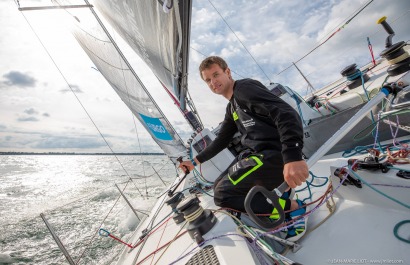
{"points": [[200, 220], [173, 202], [354, 76], [397, 57]]}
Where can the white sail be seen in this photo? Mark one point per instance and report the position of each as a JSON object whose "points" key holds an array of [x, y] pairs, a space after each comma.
{"points": [[107, 57], [160, 35]]}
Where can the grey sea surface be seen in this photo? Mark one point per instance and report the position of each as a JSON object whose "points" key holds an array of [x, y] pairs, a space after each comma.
{"points": [[77, 194]]}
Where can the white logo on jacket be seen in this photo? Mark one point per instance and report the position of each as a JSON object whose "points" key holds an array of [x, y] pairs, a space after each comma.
{"points": [[248, 123]]}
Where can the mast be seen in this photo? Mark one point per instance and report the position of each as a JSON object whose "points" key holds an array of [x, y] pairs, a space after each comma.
{"points": [[304, 77]]}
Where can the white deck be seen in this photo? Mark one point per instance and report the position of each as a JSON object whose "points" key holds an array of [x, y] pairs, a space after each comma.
{"points": [[360, 231]]}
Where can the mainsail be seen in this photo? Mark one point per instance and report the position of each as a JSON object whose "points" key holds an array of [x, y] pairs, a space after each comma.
{"points": [[103, 51], [159, 32]]}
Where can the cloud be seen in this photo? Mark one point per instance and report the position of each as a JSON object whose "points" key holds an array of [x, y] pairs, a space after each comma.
{"points": [[65, 142], [275, 32], [284, 31], [31, 115], [19, 140], [2, 127], [74, 88], [24, 119], [31, 111], [16, 78]]}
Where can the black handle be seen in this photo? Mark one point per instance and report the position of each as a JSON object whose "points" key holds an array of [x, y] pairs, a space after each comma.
{"points": [[273, 196], [385, 25], [185, 168]]}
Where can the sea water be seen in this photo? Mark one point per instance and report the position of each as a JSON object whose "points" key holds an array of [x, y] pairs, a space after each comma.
{"points": [[77, 195]]}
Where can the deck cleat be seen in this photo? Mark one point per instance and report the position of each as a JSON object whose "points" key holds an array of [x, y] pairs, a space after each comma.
{"points": [[369, 163], [403, 174], [340, 172]]}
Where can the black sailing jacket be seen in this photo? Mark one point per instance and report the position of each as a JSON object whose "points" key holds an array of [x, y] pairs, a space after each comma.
{"points": [[267, 123]]}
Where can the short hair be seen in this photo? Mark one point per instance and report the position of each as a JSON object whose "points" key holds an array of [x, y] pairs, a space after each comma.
{"points": [[207, 62]]}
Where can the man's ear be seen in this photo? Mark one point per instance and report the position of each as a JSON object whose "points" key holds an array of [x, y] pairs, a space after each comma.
{"points": [[228, 71]]}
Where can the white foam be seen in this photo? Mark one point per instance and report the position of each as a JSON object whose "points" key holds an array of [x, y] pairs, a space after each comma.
{"points": [[6, 258]]}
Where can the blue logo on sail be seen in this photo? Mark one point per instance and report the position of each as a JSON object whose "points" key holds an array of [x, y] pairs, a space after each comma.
{"points": [[156, 128]]}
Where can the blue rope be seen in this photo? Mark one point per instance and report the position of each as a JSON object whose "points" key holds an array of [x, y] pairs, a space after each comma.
{"points": [[197, 175], [371, 112], [376, 190], [308, 184], [354, 76], [202, 191], [396, 229], [300, 110]]}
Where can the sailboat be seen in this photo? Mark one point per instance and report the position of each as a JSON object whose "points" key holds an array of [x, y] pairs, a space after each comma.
{"points": [[349, 210]]}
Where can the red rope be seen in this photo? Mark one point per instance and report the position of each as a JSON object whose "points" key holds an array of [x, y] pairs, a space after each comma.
{"points": [[153, 231], [159, 241], [398, 157], [119, 240], [371, 51], [105, 233], [161, 247]]}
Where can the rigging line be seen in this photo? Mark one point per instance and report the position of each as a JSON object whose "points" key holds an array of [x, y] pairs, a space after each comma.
{"points": [[243, 45], [362, 36], [97, 230], [190, 102], [328, 38], [135, 126], [78, 99], [390, 22], [150, 225], [340, 25], [341, 52], [77, 25]]}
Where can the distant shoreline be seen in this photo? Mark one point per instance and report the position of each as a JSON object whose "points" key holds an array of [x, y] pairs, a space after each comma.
{"points": [[73, 153]]}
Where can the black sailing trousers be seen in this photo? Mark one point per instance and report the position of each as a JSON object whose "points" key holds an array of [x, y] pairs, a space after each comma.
{"points": [[227, 195]]}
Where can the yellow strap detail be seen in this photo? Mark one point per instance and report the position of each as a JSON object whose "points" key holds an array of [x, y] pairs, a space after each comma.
{"points": [[275, 214], [235, 116], [259, 163]]}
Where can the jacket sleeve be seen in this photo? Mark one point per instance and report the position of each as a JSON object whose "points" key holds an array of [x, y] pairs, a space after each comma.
{"points": [[228, 129], [261, 101]]}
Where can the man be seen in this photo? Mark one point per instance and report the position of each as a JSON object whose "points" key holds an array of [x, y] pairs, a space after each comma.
{"points": [[273, 135]]}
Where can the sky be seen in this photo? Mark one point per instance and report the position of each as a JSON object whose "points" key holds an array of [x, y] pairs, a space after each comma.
{"points": [[258, 39]]}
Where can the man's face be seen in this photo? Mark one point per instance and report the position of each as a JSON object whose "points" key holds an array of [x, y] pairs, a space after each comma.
{"points": [[219, 81]]}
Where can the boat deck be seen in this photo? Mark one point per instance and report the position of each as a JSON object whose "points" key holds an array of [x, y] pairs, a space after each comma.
{"points": [[359, 231]]}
